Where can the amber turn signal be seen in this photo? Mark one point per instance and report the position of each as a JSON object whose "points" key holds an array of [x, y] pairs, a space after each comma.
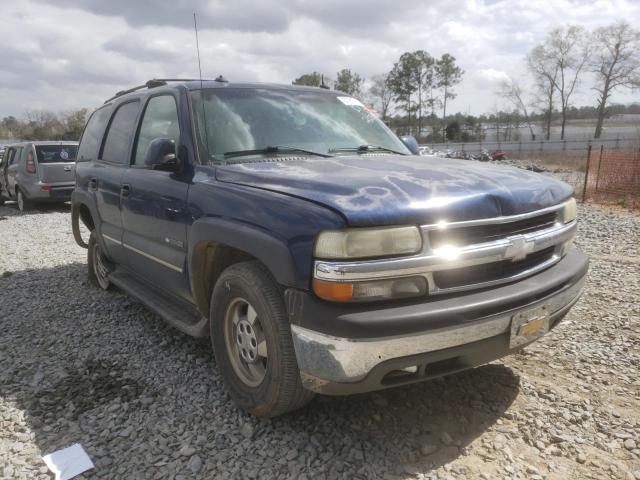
{"points": [[333, 291]]}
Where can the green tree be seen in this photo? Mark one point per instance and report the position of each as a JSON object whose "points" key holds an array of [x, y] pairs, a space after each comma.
{"points": [[74, 124], [448, 75], [309, 79], [413, 75], [349, 82]]}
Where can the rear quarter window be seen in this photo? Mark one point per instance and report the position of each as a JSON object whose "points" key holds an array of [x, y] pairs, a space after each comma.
{"points": [[120, 133], [92, 135]]}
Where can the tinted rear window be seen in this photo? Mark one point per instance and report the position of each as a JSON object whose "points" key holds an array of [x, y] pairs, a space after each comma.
{"points": [[56, 153], [92, 135], [123, 124]]}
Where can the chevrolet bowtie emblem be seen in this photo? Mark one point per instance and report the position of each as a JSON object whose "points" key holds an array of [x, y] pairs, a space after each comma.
{"points": [[519, 248]]}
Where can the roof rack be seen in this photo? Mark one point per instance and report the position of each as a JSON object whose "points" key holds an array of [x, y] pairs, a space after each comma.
{"points": [[153, 83]]}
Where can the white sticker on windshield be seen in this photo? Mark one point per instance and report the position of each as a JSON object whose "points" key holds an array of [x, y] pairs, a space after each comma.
{"points": [[64, 155], [351, 101]]}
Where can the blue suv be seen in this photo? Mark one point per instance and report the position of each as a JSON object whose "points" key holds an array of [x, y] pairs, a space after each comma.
{"points": [[318, 253]]}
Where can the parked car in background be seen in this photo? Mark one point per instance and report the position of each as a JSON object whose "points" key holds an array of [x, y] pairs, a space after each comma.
{"points": [[294, 229], [36, 172], [498, 155]]}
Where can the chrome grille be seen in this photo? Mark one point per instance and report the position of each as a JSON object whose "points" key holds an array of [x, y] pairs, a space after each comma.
{"points": [[491, 231], [467, 255], [489, 272]]}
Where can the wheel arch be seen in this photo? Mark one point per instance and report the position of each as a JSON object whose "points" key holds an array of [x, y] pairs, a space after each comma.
{"points": [[81, 210], [215, 244]]}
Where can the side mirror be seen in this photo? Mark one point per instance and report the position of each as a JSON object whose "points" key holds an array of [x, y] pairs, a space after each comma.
{"points": [[161, 155], [411, 143]]}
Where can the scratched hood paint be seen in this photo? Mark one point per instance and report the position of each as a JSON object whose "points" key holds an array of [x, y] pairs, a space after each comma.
{"points": [[394, 189]]}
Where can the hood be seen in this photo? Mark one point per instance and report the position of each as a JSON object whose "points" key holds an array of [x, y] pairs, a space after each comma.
{"points": [[394, 189]]}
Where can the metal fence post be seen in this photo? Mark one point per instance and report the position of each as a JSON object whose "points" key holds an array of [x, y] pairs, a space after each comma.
{"points": [[599, 165], [586, 175]]}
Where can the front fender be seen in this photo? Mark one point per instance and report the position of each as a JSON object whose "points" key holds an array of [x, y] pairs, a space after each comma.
{"points": [[258, 243]]}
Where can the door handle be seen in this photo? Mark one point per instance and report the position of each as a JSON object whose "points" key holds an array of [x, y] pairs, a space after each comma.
{"points": [[125, 190], [93, 184]]}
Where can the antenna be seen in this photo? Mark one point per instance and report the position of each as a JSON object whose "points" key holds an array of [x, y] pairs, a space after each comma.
{"points": [[195, 27], [204, 112]]}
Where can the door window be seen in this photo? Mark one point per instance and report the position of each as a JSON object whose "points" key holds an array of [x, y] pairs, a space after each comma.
{"points": [[92, 135], [160, 121], [118, 140], [16, 156], [10, 155]]}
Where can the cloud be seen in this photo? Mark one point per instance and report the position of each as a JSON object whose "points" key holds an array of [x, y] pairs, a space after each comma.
{"points": [[493, 76], [63, 54]]}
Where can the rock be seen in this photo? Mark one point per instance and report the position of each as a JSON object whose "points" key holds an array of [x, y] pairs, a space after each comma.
{"points": [[186, 451], [428, 449], [446, 438], [247, 430], [195, 464], [581, 458], [629, 444]]}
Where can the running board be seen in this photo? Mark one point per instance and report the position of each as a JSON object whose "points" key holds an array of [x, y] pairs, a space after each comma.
{"points": [[178, 313]]}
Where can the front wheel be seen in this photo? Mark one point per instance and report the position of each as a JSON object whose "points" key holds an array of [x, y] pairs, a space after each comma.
{"points": [[251, 339], [98, 265]]}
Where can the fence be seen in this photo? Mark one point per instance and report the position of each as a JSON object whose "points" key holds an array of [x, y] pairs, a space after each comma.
{"points": [[544, 146], [613, 176]]}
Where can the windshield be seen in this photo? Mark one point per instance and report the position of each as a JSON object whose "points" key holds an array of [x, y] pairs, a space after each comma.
{"points": [[56, 153], [233, 120]]}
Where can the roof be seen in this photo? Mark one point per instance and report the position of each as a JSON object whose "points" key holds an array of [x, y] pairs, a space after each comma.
{"points": [[41, 142], [197, 84]]}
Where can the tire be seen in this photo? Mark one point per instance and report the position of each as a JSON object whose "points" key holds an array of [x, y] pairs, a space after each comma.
{"points": [[240, 287], [98, 265], [23, 203]]}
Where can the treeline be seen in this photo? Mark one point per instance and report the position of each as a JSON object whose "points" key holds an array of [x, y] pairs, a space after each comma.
{"points": [[44, 125], [412, 97], [418, 86]]}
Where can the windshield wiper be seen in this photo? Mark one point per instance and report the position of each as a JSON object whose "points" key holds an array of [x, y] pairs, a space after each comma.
{"points": [[365, 149], [273, 149]]}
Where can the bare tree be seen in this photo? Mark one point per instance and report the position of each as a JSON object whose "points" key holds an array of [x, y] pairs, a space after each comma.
{"points": [[545, 73], [568, 48], [513, 92], [381, 93], [615, 63]]}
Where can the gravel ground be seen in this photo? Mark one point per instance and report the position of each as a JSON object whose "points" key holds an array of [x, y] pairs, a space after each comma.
{"points": [[82, 365]]}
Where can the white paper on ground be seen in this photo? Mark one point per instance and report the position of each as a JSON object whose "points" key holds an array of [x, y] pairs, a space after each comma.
{"points": [[68, 462]]}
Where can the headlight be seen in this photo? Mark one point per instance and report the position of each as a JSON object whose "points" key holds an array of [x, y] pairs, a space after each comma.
{"points": [[368, 242], [570, 210]]}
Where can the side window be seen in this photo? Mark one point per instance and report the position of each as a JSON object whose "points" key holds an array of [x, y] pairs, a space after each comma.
{"points": [[10, 154], [160, 121], [16, 155], [121, 130], [92, 135]]}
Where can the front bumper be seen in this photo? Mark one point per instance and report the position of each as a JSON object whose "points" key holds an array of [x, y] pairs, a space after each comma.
{"points": [[338, 365]]}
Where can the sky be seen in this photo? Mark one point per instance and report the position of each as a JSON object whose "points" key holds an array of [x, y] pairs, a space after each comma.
{"points": [[61, 55]]}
